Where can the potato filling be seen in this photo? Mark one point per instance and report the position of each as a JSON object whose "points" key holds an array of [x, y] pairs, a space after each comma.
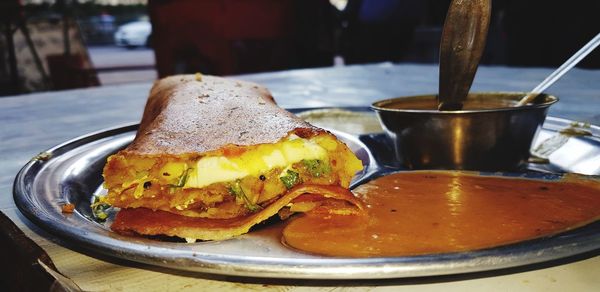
{"points": [[231, 183]]}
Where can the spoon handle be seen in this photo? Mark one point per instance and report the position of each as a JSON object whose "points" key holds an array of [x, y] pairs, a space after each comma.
{"points": [[564, 68], [461, 47]]}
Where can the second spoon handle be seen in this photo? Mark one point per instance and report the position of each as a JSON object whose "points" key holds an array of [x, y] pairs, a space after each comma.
{"points": [[564, 68]]}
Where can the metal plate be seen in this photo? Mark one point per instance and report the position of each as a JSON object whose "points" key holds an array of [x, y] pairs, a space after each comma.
{"points": [[73, 174]]}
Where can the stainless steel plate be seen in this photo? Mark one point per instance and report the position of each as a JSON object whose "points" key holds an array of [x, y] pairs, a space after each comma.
{"points": [[71, 172]]}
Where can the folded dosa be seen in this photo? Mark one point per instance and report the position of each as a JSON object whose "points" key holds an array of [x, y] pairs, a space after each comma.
{"points": [[213, 157]]}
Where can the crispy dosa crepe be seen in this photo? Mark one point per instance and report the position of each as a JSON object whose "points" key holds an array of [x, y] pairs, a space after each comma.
{"points": [[214, 156]]}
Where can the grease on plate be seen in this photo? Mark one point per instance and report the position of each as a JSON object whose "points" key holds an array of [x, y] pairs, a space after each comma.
{"points": [[352, 122]]}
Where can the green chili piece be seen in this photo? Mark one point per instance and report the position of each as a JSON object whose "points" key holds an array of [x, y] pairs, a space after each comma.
{"points": [[181, 180]]}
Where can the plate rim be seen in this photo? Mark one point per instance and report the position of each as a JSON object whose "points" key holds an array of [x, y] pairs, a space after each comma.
{"points": [[312, 268]]}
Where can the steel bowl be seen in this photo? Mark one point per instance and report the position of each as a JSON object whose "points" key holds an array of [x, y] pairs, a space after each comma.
{"points": [[489, 134]]}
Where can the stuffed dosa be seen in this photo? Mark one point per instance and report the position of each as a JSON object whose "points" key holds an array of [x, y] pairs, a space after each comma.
{"points": [[213, 157]]}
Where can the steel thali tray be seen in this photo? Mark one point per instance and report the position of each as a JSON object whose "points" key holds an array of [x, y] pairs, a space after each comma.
{"points": [[71, 172]]}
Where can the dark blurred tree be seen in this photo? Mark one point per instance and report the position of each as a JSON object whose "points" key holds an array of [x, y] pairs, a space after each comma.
{"points": [[547, 32], [379, 30]]}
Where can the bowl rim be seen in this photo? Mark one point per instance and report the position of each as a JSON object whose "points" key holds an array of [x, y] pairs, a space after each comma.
{"points": [[378, 106]]}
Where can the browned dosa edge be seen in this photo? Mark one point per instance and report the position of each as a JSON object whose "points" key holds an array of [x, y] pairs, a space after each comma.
{"points": [[185, 115], [148, 222]]}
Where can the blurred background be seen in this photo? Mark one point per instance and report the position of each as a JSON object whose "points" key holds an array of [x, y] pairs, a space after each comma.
{"points": [[62, 44]]}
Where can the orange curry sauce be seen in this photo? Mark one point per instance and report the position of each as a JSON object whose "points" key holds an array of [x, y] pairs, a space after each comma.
{"points": [[412, 213]]}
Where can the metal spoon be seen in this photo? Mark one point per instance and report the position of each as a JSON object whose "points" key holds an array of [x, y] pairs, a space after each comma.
{"points": [[564, 68], [461, 47]]}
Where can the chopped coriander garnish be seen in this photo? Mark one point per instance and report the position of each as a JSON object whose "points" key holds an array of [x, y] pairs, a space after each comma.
{"points": [[181, 180], [99, 209], [236, 190], [316, 167], [290, 179]]}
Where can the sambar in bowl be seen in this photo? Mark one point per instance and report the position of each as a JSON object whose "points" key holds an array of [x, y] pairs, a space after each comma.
{"points": [[490, 133]]}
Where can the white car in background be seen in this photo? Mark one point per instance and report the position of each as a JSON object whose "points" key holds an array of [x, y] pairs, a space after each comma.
{"points": [[134, 34]]}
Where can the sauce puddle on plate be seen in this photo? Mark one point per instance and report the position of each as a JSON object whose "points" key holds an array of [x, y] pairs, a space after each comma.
{"points": [[425, 212]]}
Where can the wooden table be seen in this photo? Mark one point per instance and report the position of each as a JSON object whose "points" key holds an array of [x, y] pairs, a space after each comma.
{"points": [[35, 122]]}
